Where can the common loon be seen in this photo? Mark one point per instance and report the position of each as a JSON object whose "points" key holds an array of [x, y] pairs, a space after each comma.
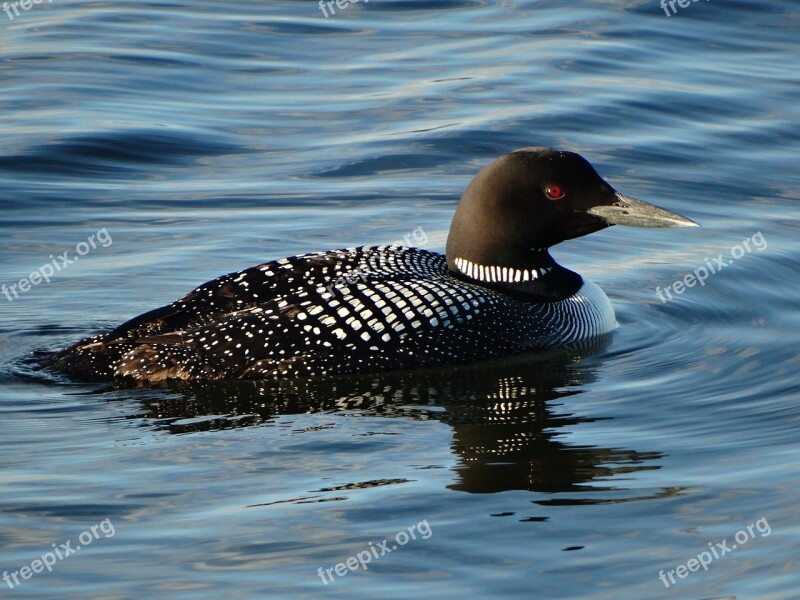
{"points": [[496, 291]]}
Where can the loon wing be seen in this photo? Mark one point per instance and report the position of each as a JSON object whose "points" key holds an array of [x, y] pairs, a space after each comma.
{"points": [[343, 309]]}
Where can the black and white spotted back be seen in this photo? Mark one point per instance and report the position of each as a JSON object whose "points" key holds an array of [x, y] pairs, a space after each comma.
{"points": [[343, 311]]}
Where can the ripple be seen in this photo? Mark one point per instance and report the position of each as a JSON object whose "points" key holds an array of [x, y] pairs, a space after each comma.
{"points": [[115, 151]]}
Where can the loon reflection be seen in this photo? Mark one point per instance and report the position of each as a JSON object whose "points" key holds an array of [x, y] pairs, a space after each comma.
{"points": [[508, 431]]}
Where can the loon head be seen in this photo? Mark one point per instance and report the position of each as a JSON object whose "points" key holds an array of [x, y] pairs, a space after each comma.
{"points": [[526, 201]]}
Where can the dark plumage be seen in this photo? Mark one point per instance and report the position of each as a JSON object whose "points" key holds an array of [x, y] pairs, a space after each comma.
{"points": [[496, 292]]}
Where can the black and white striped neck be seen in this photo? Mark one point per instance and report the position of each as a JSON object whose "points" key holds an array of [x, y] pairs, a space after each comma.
{"points": [[499, 273], [539, 278]]}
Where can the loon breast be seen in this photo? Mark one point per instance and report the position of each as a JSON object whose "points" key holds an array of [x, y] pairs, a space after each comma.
{"points": [[586, 314]]}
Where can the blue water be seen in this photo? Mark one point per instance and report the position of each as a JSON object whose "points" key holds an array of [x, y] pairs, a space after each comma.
{"points": [[199, 138]]}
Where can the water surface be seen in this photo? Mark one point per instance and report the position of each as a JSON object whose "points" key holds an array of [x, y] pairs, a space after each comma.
{"points": [[205, 138]]}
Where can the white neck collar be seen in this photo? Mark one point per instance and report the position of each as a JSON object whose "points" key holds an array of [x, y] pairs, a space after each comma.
{"points": [[496, 273]]}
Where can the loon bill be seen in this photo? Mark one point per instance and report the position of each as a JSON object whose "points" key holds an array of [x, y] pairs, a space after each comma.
{"points": [[496, 291]]}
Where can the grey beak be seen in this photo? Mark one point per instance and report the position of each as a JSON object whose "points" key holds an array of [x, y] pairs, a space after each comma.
{"points": [[636, 213]]}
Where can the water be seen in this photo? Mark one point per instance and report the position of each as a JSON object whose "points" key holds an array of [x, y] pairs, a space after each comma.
{"points": [[204, 138]]}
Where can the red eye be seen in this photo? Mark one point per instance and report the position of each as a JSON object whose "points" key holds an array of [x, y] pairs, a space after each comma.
{"points": [[554, 192]]}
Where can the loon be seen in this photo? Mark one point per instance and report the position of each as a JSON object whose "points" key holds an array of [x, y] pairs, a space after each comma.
{"points": [[495, 292]]}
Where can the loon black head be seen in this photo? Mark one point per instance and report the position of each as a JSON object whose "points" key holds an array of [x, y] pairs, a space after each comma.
{"points": [[529, 200]]}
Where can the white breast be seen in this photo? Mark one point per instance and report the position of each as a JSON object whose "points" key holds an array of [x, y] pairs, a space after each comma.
{"points": [[586, 314]]}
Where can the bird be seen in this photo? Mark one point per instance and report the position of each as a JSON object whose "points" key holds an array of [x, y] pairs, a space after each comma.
{"points": [[495, 292]]}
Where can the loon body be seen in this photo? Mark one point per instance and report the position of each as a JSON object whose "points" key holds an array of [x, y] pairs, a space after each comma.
{"points": [[496, 292]]}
